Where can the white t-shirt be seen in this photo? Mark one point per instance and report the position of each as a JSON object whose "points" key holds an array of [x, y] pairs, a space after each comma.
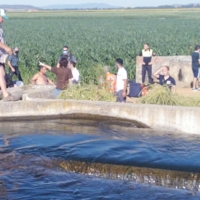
{"points": [[76, 75], [121, 76]]}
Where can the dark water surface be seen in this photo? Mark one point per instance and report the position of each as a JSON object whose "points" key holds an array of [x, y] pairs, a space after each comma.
{"points": [[86, 159]]}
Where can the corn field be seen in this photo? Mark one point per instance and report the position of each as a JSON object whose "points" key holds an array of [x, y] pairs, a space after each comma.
{"points": [[98, 38]]}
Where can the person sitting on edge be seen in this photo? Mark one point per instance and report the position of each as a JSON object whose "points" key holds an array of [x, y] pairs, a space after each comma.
{"points": [[65, 54], [122, 81], [41, 78], [164, 77], [63, 75], [75, 73], [148, 57], [13, 61]]}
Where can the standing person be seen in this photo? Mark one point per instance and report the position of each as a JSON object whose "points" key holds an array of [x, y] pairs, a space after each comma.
{"points": [[122, 81], [41, 78], [63, 75], [74, 70], [195, 67], [164, 77], [13, 63], [4, 49], [65, 54], [148, 58]]}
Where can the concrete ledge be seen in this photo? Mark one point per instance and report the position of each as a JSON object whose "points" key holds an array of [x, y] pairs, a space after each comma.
{"points": [[38, 92], [181, 119], [30, 92]]}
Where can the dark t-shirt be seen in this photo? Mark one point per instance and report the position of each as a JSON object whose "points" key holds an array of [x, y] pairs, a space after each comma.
{"points": [[170, 81], [195, 59], [67, 56], [14, 60], [62, 76]]}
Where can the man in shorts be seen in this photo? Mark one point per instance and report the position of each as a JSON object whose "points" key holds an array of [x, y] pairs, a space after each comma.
{"points": [[4, 49], [195, 67], [122, 81], [13, 63]]}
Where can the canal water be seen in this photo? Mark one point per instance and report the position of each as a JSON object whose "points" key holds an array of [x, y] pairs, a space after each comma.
{"points": [[96, 159]]}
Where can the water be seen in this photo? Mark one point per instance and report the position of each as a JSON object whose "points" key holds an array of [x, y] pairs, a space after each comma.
{"points": [[88, 159]]}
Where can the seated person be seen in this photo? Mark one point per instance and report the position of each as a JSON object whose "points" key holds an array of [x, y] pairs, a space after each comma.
{"points": [[164, 77], [74, 70], [41, 78]]}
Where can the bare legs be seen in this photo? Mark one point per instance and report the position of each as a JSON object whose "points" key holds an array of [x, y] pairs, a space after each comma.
{"points": [[3, 82], [195, 83]]}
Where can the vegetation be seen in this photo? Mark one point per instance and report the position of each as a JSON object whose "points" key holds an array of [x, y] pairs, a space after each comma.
{"points": [[97, 38], [88, 92], [162, 95]]}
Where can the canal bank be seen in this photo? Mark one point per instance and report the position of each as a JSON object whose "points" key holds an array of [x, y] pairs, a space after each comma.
{"points": [[172, 118]]}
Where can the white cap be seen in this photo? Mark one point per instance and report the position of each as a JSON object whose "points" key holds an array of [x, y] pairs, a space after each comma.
{"points": [[3, 14]]}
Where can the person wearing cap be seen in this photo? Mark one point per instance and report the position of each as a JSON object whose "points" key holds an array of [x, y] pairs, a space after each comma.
{"points": [[4, 49], [65, 54], [75, 73], [13, 61]]}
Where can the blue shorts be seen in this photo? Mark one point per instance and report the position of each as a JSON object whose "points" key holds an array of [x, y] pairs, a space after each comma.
{"points": [[195, 71], [57, 92]]}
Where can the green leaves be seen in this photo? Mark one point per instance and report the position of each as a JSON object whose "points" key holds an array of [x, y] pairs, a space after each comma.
{"points": [[98, 38]]}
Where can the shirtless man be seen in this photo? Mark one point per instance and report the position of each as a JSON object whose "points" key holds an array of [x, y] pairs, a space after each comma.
{"points": [[41, 78]]}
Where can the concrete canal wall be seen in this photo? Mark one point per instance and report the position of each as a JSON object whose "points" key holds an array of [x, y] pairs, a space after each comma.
{"points": [[180, 119]]}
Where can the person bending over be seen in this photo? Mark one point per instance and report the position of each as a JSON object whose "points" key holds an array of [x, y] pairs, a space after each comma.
{"points": [[41, 78], [63, 75], [148, 57], [13, 61], [164, 77], [74, 70], [122, 81]]}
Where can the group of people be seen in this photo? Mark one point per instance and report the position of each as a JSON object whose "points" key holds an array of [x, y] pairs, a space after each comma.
{"points": [[65, 71]]}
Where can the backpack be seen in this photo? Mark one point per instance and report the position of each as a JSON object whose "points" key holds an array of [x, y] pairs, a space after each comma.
{"points": [[134, 89]]}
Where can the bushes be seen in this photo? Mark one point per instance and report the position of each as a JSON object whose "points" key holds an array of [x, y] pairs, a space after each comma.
{"points": [[87, 92], [161, 95]]}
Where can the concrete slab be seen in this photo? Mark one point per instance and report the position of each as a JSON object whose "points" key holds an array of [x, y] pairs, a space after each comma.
{"points": [[172, 118]]}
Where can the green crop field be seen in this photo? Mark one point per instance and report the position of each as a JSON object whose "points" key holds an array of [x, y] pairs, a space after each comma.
{"points": [[97, 38]]}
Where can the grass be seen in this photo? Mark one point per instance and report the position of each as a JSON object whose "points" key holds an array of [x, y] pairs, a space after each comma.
{"points": [[161, 95], [88, 92]]}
